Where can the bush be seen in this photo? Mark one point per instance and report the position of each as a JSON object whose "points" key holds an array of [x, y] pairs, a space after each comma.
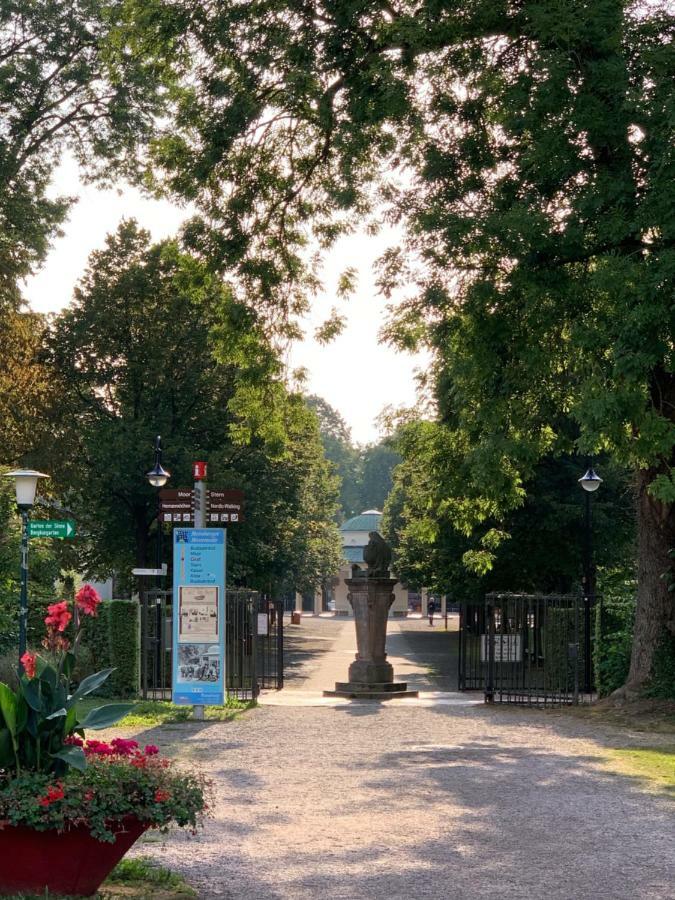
{"points": [[662, 683], [113, 641], [615, 615]]}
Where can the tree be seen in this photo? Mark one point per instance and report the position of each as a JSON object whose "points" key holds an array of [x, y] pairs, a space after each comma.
{"points": [[535, 548], [340, 451], [83, 75], [378, 462], [539, 234], [155, 344]]}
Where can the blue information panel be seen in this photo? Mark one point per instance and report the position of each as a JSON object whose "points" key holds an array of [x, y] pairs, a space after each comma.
{"points": [[198, 616]]}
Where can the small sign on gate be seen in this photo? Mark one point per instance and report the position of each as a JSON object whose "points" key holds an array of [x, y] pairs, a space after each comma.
{"points": [[262, 624], [507, 648]]}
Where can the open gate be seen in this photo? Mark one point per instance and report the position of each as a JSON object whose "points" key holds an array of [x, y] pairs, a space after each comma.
{"points": [[527, 649], [254, 644]]}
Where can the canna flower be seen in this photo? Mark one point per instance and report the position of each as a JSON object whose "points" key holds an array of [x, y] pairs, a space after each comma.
{"points": [[28, 661], [151, 750], [87, 599], [59, 616], [161, 796]]}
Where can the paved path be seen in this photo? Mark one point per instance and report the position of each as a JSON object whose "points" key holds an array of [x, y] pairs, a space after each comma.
{"points": [[371, 801]]}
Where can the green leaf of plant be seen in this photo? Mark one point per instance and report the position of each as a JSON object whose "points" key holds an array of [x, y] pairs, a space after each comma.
{"points": [[59, 712], [6, 751], [89, 684], [8, 706], [47, 673], [71, 721], [104, 716], [74, 756], [32, 693]]}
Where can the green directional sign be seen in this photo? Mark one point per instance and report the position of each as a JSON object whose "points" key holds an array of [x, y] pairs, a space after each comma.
{"points": [[51, 528]]}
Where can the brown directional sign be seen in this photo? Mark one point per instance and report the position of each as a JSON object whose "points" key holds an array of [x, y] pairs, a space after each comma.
{"points": [[176, 505], [224, 507]]}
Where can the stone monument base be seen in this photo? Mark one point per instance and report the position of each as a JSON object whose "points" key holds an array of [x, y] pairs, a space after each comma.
{"points": [[371, 690]]}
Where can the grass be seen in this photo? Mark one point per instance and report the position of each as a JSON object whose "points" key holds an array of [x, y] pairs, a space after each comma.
{"points": [[148, 713], [134, 878], [655, 767]]}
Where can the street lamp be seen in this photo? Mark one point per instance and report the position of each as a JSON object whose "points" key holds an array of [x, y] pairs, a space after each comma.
{"points": [[25, 485], [158, 476], [590, 481]]}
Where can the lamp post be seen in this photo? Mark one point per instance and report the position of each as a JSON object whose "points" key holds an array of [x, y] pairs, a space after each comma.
{"points": [[590, 481], [158, 477], [25, 484]]}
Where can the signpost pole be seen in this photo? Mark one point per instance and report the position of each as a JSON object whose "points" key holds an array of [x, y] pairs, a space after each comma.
{"points": [[200, 522]]}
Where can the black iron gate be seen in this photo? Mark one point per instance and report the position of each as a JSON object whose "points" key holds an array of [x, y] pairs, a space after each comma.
{"points": [[524, 648], [254, 642]]}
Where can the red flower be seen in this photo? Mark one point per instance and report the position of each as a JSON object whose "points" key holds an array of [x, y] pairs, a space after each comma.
{"points": [[73, 741], [28, 662], [139, 762], [151, 750], [98, 748], [53, 794], [59, 616], [124, 747], [87, 599], [161, 796], [88, 796]]}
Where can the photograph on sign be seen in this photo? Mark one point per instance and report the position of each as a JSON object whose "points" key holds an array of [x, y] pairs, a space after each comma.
{"points": [[198, 663], [198, 613]]}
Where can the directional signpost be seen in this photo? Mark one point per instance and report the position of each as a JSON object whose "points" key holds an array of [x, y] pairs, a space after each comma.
{"points": [[51, 528], [176, 505], [225, 507]]}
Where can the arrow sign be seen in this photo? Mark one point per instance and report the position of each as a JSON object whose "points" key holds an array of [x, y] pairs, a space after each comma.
{"points": [[51, 528]]}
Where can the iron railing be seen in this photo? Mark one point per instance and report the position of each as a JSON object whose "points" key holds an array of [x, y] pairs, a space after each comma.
{"points": [[254, 656], [528, 649]]}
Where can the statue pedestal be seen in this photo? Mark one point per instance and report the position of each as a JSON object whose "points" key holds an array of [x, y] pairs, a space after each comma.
{"points": [[370, 675]]}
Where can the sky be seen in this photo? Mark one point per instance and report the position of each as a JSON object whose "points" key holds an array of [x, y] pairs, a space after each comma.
{"points": [[356, 374]]}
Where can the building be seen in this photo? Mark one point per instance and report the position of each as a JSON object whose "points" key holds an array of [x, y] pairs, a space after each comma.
{"points": [[355, 535]]}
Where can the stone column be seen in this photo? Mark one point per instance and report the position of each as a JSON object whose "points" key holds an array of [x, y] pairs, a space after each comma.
{"points": [[371, 598], [371, 676]]}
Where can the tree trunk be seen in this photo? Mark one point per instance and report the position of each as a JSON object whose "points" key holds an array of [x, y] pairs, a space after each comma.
{"points": [[655, 614]]}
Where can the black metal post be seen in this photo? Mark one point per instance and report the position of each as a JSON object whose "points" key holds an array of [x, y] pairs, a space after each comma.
{"points": [[23, 599], [589, 593]]}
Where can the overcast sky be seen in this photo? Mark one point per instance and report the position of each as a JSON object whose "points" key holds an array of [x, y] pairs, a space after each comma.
{"points": [[355, 373]]}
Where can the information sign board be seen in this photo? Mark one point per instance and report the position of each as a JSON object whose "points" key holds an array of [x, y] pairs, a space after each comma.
{"points": [[199, 616], [507, 648]]}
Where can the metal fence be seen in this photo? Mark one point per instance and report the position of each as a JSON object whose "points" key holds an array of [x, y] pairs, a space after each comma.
{"points": [[254, 642], [527, 649]]}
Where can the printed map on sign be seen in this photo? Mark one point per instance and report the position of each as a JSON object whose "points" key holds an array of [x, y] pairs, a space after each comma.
{"points": [[198, 612]]}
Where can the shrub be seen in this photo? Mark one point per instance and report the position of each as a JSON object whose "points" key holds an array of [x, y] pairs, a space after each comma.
{"points": [[615, 615], [113, 640]]}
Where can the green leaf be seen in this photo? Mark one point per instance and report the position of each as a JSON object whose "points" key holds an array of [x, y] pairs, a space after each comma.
{"points": [[8, 706], [32, 693], [74, 756], [6, 751], [57, 714], [89, 684], [71, 721], [47, 673], [105, 716]]}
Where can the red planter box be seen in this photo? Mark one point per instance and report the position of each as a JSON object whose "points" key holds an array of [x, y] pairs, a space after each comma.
{"points": [[72, 862]]}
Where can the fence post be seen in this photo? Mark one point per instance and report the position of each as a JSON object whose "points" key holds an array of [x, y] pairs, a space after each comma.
{"points": [[490, 639]]}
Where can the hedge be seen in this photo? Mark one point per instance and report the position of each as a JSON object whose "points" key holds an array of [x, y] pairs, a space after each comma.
{"points": [[113, 641], [615, 614]]}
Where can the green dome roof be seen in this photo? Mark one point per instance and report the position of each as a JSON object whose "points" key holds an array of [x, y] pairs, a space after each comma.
{"points": [[367, 521]]}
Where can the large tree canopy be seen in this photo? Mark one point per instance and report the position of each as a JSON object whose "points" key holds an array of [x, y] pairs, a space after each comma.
{"points": [[89, 76], [526, 148], [154, 344]]}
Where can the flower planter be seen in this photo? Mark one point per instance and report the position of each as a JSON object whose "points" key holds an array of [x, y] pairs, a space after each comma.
{"points": [[70, 862]]}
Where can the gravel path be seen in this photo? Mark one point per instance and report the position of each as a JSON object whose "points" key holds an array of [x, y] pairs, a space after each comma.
{"points": [[391, 802]]}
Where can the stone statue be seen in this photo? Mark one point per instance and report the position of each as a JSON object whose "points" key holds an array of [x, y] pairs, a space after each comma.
{"points": [[377, 554]]}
